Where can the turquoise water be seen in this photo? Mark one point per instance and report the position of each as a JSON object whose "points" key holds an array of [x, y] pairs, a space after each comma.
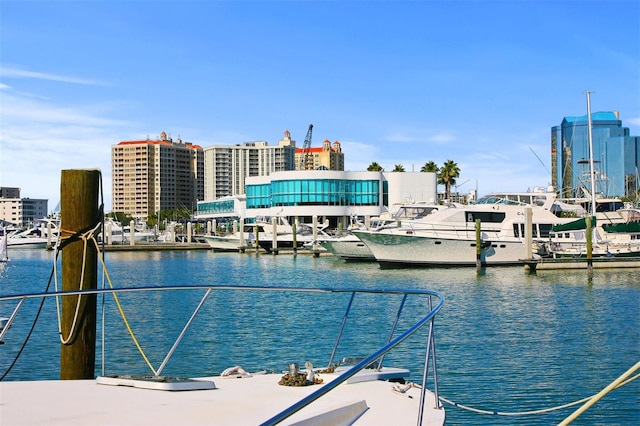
{"points": [[506, 341]]}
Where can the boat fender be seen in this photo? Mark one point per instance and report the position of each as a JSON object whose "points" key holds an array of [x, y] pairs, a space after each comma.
{"points": [[235, 372]]}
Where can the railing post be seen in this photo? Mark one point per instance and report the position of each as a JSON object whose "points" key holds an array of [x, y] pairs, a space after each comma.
{"points": [[393, 327], [344, 322]]}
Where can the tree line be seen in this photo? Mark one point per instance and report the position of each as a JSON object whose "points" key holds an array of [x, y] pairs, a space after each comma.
{"points": [[446, 175]]}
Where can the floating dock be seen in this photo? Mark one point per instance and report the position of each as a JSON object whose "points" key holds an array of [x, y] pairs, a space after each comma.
{"points": [[581, 263]]}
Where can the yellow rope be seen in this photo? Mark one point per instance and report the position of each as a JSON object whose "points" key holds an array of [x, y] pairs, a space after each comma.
{"points": [[119, 305]]}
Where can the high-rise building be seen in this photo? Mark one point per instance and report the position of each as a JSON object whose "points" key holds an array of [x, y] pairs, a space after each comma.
{"points": [[227, 166], [328, 157], [616, 155], [154, 175]]}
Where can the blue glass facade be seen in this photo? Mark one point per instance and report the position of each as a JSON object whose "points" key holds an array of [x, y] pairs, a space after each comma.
{"points": [[216, 207], [616, 156], [317, 192]]}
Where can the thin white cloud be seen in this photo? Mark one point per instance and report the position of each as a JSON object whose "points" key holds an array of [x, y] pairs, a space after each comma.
{"points": [[441, 138], [438, 138], [36, 111], [633, 121], [41, 138], [11, 72]]}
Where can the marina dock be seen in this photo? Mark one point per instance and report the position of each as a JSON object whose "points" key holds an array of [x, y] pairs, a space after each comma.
{"points": [[580, 263], [156, 246]]}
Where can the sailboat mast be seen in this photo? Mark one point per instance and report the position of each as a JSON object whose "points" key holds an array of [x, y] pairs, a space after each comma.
{"points": [[591, 170]]}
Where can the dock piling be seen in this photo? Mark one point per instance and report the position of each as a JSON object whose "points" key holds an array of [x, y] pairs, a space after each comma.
{"points": [[79, 211]]}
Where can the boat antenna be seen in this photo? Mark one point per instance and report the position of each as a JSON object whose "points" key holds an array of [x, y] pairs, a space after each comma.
{"points": [[543, 165]]}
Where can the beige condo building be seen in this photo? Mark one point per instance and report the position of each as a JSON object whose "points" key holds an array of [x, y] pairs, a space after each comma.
{"points": [[327, 157], [155, 175], [227, 166]]}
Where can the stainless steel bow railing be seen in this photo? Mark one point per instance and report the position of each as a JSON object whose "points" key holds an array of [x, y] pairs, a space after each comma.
{"points": [[427, 318]]}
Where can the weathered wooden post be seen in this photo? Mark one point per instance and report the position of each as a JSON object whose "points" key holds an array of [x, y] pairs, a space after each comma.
{"points": [[528, 233], [316, 253], [294, 229], [255, 231], [132, 233], [107, 235], [242, 239], [589, 236], [478, 245], [79, 211], [49, 233], [274, 235]]}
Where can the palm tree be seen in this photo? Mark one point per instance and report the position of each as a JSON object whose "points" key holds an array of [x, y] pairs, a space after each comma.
{"points": [[447, 176], [430, 167], [375, 167], [398, 168]]}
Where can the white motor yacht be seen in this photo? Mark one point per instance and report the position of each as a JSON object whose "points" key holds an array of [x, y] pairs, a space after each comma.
{"points": [[449, 237]]}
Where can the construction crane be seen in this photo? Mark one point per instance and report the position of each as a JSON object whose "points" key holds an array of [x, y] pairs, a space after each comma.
{"points": [[306, 159]]}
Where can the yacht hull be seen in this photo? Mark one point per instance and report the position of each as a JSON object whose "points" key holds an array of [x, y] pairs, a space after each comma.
{"points": [[348, 249], [227, 242], [416, 250]]}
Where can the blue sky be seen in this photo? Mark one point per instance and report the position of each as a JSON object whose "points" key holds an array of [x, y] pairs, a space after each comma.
{"points": [[404, 82]]}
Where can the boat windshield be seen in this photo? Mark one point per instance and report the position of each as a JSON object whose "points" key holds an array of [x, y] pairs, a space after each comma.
{"points": [[532, 199], [498, 200], [414, 212]]}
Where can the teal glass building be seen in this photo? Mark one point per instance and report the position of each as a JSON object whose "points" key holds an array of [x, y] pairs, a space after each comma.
{"points": [[331, 195], [616, 155]]}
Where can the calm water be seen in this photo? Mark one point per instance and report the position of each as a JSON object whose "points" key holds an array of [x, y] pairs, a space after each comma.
{"points": [[506, 341]]}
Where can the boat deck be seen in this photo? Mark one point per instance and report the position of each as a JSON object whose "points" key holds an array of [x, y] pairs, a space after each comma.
{"points": [[234, 401]]}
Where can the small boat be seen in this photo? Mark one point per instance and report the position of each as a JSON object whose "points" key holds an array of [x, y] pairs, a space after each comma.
{"points": [[229, 242], [348, 247], [29, 238], [235, 240]]}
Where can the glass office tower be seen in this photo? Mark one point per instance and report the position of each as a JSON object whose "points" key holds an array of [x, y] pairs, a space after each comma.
{"points": [[615, 156]]}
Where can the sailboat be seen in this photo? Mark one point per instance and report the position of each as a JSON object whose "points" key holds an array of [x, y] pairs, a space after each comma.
{"points": [[619, 236]]}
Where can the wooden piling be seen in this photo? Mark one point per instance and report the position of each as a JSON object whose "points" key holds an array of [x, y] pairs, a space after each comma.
{"points": [[294, 229], [589, 237], [256, 230], [79, 211], [478, 245], [274, 235]]}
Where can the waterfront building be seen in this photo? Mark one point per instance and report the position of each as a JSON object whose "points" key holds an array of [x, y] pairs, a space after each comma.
{"points": [[327, 157], [227, 166], [149, 176], [20, 211], [616, 155], [335, 196]]}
